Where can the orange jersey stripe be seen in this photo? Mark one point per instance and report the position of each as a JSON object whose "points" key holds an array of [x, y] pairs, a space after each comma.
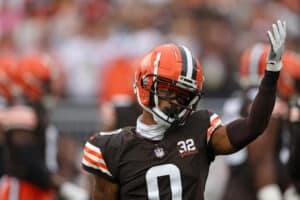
{"points": [[100, 165], [215, 121], [209, 132], [214, 124], [97, 154]]}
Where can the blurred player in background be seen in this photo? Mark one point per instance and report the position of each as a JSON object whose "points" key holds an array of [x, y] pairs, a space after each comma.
{"points": [[118, 104], [34, 144], [253, 174], [168, 154], [293, 191], [26, 174], [8, 65]]}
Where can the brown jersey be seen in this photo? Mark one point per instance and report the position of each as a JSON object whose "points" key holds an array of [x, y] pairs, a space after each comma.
{"points": [[175, 167]]}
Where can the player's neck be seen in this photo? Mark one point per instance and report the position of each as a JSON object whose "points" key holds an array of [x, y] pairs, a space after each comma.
{"points": [[153, 131], [147, 118]]}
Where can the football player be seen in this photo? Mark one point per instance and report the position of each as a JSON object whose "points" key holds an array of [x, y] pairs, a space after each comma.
{"points": [[293, 191], [168, 154], [117, 104], [8, 66], [31, 168], [266, 171], [34, 78], [34, 146], [26, 175]]}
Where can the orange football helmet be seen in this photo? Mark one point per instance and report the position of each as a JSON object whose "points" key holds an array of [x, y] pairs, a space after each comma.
{"points": [[8, 67], [290, 73], [34, 76], [253, 63], [119, 71], [172, 67], [291, 62]]}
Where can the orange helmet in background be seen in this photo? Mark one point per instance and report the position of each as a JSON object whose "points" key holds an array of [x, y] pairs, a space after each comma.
{"points": [[291, 64], [117, 81], [289, 74], [116, 89], [253, 63], [34, 76], [8, 67]]}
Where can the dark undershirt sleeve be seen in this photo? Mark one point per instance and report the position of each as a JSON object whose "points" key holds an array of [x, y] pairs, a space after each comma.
{"points": [[242, 131]]}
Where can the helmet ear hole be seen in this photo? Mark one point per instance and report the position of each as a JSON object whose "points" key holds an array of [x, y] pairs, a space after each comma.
{"points": [[142, 82]]}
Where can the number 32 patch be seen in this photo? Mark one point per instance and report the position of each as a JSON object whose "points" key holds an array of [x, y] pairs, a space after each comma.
{"points": [[186, 147]]}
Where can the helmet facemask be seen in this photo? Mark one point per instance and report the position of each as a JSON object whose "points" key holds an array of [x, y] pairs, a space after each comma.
{"points": [[182, 102]]}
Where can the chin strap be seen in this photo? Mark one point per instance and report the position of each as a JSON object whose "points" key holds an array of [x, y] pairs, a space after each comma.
{"points": [[161, 118]]}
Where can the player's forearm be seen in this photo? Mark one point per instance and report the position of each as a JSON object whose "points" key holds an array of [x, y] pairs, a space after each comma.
{"points": [[100, 195], [242, 131]]}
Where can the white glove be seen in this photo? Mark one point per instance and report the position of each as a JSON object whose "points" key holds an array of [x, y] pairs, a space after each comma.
{"points": [[71, 191], [277, 40], [269, 192], [291, 194]]}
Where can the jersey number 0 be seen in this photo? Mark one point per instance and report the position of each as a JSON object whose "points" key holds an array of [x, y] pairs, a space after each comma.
{"points": [[170, 170]]}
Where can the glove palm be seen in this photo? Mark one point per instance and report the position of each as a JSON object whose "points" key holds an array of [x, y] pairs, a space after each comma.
{"points": [[277, 41]]}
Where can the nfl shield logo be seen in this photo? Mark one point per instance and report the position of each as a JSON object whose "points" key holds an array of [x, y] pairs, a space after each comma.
{"points": [[159, 152]]}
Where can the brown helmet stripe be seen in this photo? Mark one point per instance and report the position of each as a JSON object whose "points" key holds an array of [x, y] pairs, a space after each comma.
{"points": [[194, 75], [184, 61], [189, 67]]}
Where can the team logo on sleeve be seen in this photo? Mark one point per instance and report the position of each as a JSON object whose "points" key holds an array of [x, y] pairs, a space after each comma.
{"points": [[186, 147]]}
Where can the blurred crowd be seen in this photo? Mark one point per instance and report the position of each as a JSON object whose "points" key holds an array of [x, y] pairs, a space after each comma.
{"points": [[82, 50], [82, 36]]}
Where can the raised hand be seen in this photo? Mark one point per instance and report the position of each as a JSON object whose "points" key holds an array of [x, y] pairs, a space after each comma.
{"points": [[277, 39]]}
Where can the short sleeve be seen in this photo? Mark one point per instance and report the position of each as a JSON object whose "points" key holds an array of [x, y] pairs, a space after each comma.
{"points": [[100, 155]]}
